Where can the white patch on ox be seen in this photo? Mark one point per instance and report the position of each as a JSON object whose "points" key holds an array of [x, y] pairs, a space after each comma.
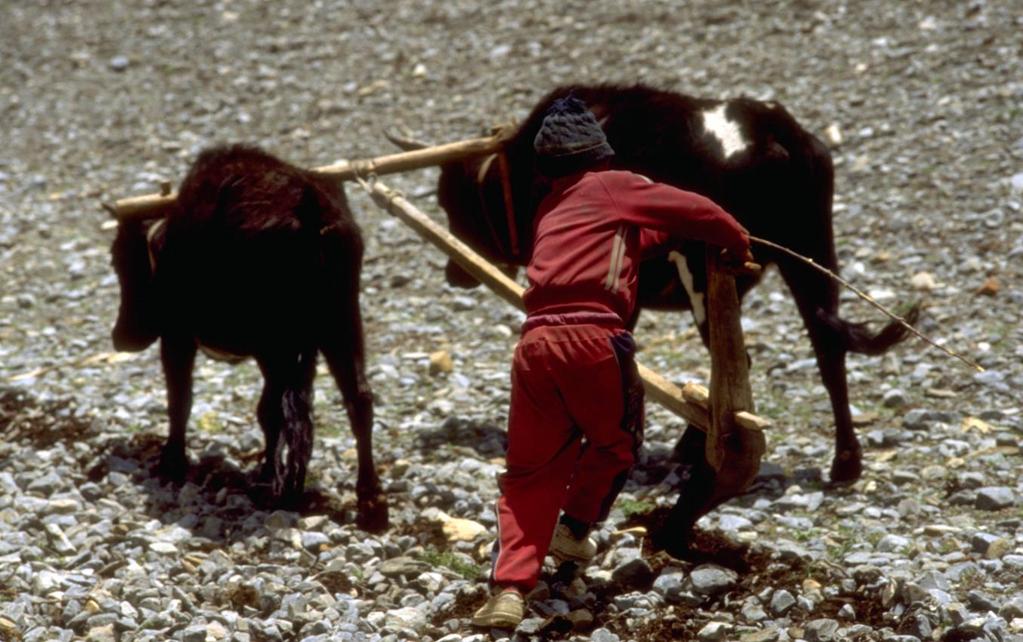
{"points": [[684, 275], [726, 131]]}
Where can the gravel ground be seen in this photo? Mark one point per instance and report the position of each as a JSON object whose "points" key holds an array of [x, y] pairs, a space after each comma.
{"points": [[923, 105]]}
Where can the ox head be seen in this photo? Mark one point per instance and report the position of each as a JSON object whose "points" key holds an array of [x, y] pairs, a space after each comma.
{"points": [[462, 193], [471, 194], [135, 328]]}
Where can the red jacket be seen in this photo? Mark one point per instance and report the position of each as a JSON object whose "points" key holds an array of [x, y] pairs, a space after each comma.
{"points": [[588, 241]]}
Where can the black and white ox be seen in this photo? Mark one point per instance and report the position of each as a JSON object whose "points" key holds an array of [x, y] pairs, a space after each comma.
{"points": [[750, 156], [255, 258]]}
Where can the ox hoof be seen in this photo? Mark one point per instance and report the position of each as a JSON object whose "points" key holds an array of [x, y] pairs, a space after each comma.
{"points": [[292, 493], [265, 474], [173, 465], [277, 486], [266, 489], [286, 492], [372, 515], [672, 543], [846, 467], [290, 501]]}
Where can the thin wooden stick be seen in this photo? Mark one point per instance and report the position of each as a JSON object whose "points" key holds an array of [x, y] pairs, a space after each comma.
{"points": [[151, 205], [868, 299]]}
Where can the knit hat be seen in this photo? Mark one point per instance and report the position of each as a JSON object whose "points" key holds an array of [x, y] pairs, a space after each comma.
{"points": [[569, 140]]}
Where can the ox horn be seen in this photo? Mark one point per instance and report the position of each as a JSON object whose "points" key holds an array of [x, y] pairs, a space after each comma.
{"points": [[405, 143]]}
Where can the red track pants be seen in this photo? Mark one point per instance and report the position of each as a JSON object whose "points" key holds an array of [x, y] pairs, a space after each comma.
{"points": [[569, 383]]}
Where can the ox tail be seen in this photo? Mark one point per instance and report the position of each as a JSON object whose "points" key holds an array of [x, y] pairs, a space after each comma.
{"points": [[325, 217], [857, 337], [296, 407], [323, 213], [337, 239]]}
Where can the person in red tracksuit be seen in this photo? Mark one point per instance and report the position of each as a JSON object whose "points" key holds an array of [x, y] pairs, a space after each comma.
{"points": [[576, 417]]}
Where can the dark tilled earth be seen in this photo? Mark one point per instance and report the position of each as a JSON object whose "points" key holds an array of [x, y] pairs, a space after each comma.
{"points": [[922, 105]]}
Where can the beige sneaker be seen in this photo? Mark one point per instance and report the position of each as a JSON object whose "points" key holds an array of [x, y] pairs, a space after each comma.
{"points": [[503, 610], [566, 548]]}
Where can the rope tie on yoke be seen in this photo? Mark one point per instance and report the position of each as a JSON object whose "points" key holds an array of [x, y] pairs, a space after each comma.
{"points": [[377, 191], [363, 167]]}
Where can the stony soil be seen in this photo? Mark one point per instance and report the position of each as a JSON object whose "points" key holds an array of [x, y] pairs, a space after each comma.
{"points": [[922, 103]]}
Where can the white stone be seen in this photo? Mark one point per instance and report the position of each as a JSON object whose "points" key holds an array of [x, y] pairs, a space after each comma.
{"points": [[923, 281], [714, 631], [45, 581], [164, 548], [216, 631], [1017, 182], [833, 134], [408, 617], [462, 530]]}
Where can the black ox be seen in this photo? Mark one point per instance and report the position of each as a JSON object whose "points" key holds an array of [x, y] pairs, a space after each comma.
{"points": [[256, 258], [751, 157]]}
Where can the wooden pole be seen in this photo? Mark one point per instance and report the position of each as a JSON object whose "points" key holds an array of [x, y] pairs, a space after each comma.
{"points": [[733, 450], [150, 205], [693, 409], [467, 258]]}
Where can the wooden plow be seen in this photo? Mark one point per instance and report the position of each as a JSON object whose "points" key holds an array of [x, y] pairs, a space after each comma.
{"points": [[724, 455]]}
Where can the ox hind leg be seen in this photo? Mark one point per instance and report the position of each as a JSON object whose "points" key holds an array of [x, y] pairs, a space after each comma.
{"points": [[810, 234], [342, 344], [177, 355], [285, 415], [817, 301]]}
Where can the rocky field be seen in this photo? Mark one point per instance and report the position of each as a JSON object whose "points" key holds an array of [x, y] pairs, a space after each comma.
{"points": [[922, 103]]}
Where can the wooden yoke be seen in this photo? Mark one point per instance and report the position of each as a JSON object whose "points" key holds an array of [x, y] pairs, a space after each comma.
{"points": [[733, 448], [151, 205]]}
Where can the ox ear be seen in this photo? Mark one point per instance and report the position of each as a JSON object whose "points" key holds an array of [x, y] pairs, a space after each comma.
{"points": [[131, 338], [134, 329], [406, 143], [602, 114], [457, 277]]}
